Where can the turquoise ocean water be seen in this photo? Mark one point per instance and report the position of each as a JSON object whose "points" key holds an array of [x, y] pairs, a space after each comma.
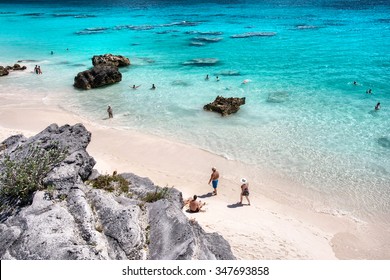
{"points": [[303, 118]]}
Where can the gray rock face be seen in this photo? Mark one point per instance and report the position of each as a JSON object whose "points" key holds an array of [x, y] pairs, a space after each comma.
{"points": [[3, 71], [225, 106], [98, 76], [72, 220], [107, 59], [172, 237]]}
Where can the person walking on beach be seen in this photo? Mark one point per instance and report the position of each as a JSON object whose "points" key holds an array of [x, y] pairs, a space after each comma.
{"points": [[39, 70], [244, 190], [214, 179], [109, 111]]}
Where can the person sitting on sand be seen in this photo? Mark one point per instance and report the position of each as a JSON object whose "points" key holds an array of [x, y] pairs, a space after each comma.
{"points": [[194, 204], [244, 190]]}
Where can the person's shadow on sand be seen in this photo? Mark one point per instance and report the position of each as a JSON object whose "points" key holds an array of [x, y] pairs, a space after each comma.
{"points": [[210, 194], [235, 205], [191, 212]]}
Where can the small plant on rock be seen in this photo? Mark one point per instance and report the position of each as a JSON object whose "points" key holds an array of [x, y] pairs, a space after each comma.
{"points": [[111, 183], [23, 172], [23, 175], [159, 193]]}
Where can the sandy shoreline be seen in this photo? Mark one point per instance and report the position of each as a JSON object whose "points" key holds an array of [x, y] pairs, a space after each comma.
{"points": [[270, 228]]}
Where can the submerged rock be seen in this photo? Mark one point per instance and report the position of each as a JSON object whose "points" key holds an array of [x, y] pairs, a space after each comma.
{"points": [[72, 220], [225, 106], [254, 34], [180, 83], [180, 23], [116, 60], [98, 76], [229, 73], [207, 39], [90, 31], [384, 142], [197, 44], [210, 33], [202, 62], [304, 26], [278, 97]]}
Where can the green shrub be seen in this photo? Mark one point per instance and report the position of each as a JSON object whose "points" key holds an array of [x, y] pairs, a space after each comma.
{"points": [[111, 183], [156, 195], [20, 178]]}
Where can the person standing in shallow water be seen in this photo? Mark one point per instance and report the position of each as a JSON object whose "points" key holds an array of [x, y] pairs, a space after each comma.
{"points": [[214, 179], [110, 113], [377, 106]]}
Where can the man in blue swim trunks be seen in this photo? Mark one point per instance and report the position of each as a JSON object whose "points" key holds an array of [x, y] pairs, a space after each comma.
{"points": [[214, 179]]}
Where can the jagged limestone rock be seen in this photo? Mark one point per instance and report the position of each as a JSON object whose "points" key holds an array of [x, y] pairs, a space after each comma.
{"points": [[72, 220], [225, 106], [116, 60], [98, 76]]}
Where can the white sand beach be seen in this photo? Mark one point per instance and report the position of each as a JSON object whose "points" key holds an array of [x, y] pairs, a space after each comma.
{"points": [[270, 228]]}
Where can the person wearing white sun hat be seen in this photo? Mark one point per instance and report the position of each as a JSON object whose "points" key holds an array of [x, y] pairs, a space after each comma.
{"points": [[244, 190]]}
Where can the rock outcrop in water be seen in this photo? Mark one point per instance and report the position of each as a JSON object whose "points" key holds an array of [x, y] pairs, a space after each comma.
{"points": [[105, 72], [5, 70], [98, 76], [70, 219], [107, 59], [225, 106]]}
